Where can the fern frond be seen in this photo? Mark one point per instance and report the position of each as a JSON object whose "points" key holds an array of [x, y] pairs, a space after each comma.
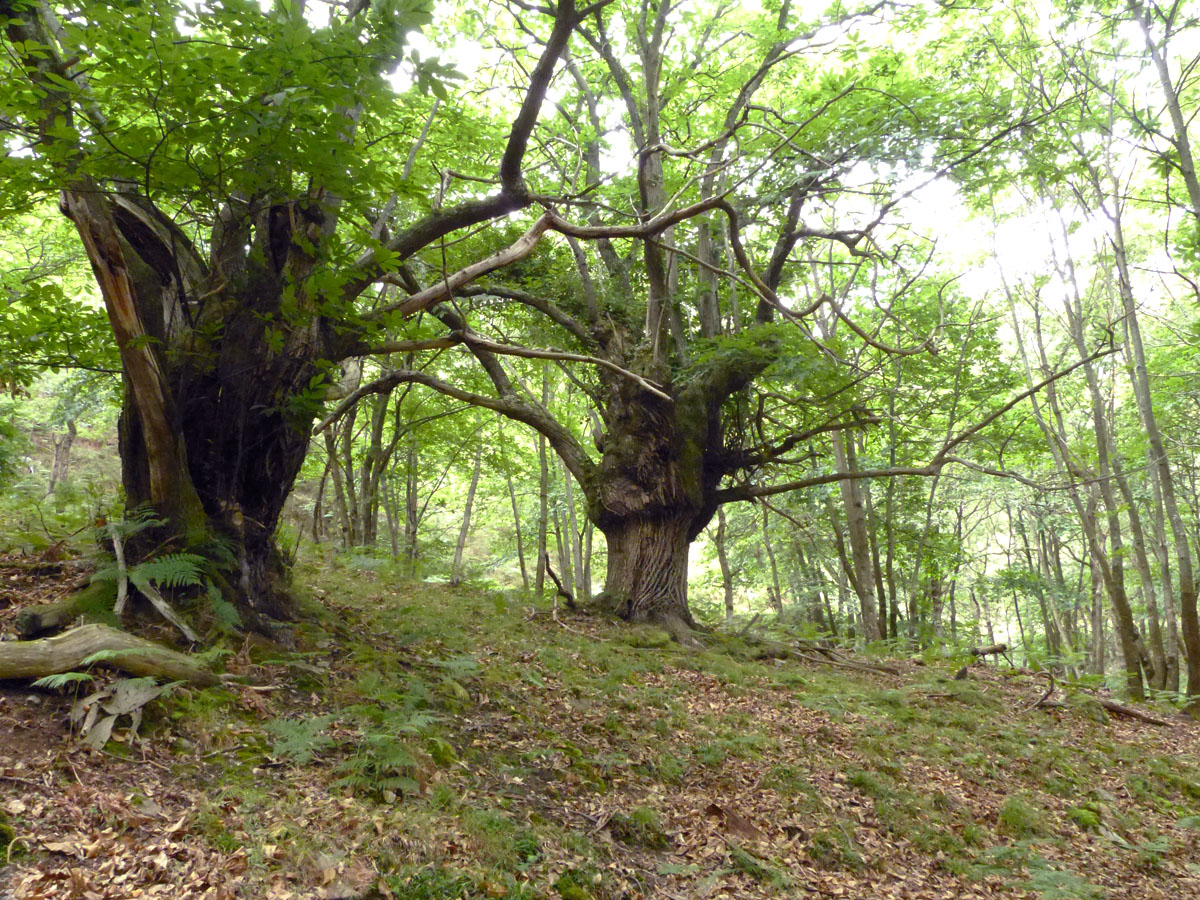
{"points": [[300, 740], [62, 680], [169, 571], [225, 614]]}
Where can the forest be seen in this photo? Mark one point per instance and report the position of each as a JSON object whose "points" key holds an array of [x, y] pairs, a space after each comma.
{"points": [[638, 448]]}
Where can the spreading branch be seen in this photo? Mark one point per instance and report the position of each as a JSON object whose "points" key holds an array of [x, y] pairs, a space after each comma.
{"points": [[933, 467], [510, 406]]}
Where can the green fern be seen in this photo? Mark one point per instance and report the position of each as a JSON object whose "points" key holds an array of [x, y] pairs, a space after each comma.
{"points": [[107, 656], [300, 740], [137, 520], [381, 763], [169, 571], [218, 549], [54, 682], [225, 614]]}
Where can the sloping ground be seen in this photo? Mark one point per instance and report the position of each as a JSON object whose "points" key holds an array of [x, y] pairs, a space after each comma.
{"points": [[434, 742]]}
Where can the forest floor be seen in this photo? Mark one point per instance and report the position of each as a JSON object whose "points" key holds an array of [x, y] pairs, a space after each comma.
{"points": [[432, 742]]}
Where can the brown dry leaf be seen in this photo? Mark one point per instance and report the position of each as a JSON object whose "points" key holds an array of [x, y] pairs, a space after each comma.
{"points": [[735, 824]]}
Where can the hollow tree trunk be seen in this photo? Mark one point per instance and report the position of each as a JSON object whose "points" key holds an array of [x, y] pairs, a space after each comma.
{"points": [[244, 453]]}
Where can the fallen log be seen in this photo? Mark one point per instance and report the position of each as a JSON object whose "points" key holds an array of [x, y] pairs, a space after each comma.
{"points": [[42, 617], [989, 650], [831, 660], [1112, 706], [66, 652], [1122, 710]]}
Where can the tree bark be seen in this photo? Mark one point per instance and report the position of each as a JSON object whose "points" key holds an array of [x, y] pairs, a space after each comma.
{"points": [[647, 571]]}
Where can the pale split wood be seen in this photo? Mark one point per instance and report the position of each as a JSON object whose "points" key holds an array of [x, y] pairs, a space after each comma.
{"points": [[168, 613], [122, 571]]}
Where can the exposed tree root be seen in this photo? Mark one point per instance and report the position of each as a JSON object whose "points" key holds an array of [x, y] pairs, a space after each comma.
{"points": [[832, 659], [67, 651], [683, 632]]}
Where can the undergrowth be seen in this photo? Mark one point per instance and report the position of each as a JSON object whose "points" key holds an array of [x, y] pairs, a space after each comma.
{"points": [[469, 745]]}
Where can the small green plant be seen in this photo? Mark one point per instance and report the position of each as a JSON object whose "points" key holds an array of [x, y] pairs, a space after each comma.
{"points": [[834, 848], [639, 827], [1152, 851], [751, 865], [6, 835], [1087, 817], [574, 885], [382, 764], [1018, 818], [54, 682], [432, 884], [1059, 884], [299, 740]]}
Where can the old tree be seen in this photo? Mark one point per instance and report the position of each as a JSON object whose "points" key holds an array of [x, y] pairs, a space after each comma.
{"points": [[688, 201]]}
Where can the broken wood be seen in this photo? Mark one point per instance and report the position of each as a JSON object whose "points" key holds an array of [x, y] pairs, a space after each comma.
{"points": [[749, 625], [156, 600], [122, 571], [831, 660], [67, 651], [1045, 696], [993, 649], [42, 617], [1121, 709], [1111, 706]]}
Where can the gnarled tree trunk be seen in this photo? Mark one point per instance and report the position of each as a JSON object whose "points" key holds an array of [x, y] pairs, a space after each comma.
{"points": [[651, 497], [647, 569]]}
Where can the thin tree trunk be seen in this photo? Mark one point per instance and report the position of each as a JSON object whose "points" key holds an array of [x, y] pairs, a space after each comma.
{"points": [[62, 456], [876, 569], [412, 507], [1173, 647], [774, 590], [860, 548], [465, 530], [339, 492], [1162, 467], [723, 559], [575, 542], [512, 496]]}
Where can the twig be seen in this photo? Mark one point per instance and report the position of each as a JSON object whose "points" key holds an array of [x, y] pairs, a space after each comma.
{"points": [[18, 780], [1045, 696], [562, 591], [749, 625]]}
